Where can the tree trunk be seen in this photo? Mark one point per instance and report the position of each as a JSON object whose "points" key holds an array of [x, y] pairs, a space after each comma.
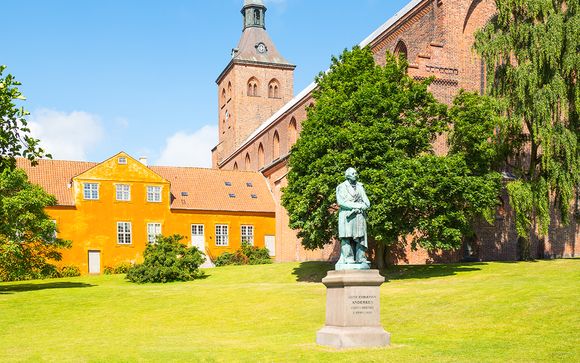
{"points": [[380, 256]]}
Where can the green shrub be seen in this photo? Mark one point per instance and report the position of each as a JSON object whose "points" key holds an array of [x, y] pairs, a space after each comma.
{"points": [[123, 268], [168, 260], [246, 255], [108, 270], [69, 271]]}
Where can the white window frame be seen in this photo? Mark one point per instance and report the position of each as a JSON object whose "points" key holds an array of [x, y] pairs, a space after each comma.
{"points": [[123, 192], [153, 230], [124, 235], [154, 193], [91, 191], [222, 235], [197, 227], [247, 233]]}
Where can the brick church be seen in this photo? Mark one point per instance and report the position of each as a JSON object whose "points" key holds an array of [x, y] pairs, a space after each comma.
{"points": [[260, 118]]}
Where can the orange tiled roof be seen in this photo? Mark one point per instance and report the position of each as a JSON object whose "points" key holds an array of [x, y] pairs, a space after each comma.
{"points": [[191, 188], [55, 176], [207, 190]]}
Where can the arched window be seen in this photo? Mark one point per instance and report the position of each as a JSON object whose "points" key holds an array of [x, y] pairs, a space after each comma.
{"points": [[256, 17], [229, 90], [273, 87], [248, 162], [253, 87], [276, 146], [261, 158], [236, 165], [401, 49], [223, 96], [292, 133]]}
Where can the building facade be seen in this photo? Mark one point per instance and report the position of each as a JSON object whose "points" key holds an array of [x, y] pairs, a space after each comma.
{"points": [[436, 37], [112, 210]]}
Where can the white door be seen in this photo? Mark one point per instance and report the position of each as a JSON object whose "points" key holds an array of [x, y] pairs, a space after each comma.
{"points": [[198, 240], [198, 236], [270, 243], [94, 262]]}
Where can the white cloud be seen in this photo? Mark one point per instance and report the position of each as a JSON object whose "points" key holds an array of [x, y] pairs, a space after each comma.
{"points": [[66, 136], [182, 149]]}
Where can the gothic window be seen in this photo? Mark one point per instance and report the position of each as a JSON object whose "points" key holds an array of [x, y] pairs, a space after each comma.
{"points": [[253, 87], [273, 88], [401, 49], [248, 162], [292, 133], [261, 158], [229, 90], [236, 165], [223, 96], [276, 146]]}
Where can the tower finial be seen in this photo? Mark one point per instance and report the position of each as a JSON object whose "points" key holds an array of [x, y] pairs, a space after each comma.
{"points": [[254, 12]]}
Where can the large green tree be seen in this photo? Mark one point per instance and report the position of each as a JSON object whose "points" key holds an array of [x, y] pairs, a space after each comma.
{"points": [[380, 121], [15, 139], [28, 242], [532, 52]]}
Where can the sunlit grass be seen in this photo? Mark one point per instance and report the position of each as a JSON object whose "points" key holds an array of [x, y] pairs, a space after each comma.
{"points": [[524, 312]]}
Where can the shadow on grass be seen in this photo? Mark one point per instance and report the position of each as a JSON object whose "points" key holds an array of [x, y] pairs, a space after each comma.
{"points": [[402, 272], [315, 271], [10, 289], [312, 271]]}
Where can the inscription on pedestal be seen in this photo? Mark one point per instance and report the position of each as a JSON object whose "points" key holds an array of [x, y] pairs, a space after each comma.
{"points": [[362, 304]]}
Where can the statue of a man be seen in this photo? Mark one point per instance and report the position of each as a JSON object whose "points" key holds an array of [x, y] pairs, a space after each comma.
{"points": [[352, 225]]}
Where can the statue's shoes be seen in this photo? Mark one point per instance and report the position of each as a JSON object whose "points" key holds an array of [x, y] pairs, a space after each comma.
{"points": [[350, 261]]}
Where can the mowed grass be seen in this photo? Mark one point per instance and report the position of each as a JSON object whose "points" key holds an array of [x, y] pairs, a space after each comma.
{"points": [[481, 312]]}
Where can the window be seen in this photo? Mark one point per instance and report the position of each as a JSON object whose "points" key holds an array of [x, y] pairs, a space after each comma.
{"points": [[153, 230], [124, 233], [122, 160], [228, 184], [248, 234], [292, 133], [253, 87], [221, 235], [232, 195], [248, 163], [91, 191], [123, 192], [273, 87], [236, 165], [401, 49], [276, 146], [249, 185], [261, 157], [153, 194]]}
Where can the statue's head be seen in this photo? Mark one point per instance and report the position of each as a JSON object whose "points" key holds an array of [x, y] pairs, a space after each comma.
{"points": [[350, 174]]}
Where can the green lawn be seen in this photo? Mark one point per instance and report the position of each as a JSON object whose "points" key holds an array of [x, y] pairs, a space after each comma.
{"points": [[481, 312]]}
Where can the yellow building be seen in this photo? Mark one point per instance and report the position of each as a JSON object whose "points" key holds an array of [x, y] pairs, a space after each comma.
{"points": [[113, 209]]}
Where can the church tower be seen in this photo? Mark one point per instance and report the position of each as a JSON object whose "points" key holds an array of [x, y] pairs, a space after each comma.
{"points": [[256, 83]]}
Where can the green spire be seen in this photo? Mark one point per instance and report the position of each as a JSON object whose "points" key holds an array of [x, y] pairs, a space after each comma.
{"points": [[254, 12]]}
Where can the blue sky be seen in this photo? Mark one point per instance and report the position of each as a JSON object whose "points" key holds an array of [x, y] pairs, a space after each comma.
{"points": [[101, 76]]}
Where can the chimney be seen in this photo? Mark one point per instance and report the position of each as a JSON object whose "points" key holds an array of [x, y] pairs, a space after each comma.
{"points": [[143, 160]]}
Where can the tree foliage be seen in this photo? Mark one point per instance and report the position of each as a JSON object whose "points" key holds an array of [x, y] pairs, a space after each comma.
{"points": [[380, 121], [168, 260], [27, 234], [15, 140], [532, 52]]}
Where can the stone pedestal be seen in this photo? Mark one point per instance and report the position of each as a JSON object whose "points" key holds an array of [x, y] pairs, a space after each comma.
{"points": [[353, 310]]}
